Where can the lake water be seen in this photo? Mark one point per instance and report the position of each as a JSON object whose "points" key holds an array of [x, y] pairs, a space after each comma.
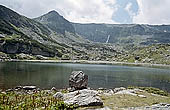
{"points": [[48, 75]]}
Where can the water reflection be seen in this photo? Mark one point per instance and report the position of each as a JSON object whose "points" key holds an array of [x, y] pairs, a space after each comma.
{"points": [[47, 75]]}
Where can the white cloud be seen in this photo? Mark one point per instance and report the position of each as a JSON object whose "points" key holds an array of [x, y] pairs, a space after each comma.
{"points": [[97, 11], [128, 8], [153, 12]]}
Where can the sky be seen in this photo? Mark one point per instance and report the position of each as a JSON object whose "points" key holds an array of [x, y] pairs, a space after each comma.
{"points": [[97, 11]]}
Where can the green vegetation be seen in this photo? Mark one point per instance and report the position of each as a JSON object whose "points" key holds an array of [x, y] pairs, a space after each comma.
{"points": [[152, 90], [28, 101], [119, 101], [124, 101]]}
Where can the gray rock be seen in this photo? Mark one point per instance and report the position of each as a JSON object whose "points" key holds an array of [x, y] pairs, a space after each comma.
{"points": [[18, 87], [40, 57], [78, 80], [29, 87], [58, 95], [161, 106], [83, 97], [119, 89], [53, 89], [128, 91], [104, 108], [142, 96]]}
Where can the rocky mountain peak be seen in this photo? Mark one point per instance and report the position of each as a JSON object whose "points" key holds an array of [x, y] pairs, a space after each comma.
{"points": [[56, 22]]}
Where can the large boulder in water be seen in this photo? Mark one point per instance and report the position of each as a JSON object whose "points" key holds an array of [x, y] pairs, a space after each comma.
{"points": [[78, 80]]}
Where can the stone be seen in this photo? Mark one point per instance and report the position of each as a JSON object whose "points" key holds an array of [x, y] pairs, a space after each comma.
{"points": [[9, 90], [142, 96], [108, 92], [40, 57], [128, 91], [53, 89], [104, 108], [161, 106], [78, 80], [83, 97], [29, 87], [119, 89], [18, 87], [58, 95]]}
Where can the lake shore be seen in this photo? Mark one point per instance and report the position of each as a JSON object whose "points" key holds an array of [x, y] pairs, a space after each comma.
{"points": [[112, 99], [97, 62]]}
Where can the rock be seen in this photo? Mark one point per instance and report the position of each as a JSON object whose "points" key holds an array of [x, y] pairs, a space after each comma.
{"points": [[18, 87], [40, 57], [161, 106], [58, 95], [24, 56], [78, 80], [9, 90], [104, 108], [108, 92], [53, 89], [29, 87], [142, 96], [83, 97], [119, 89], [128, 91]]}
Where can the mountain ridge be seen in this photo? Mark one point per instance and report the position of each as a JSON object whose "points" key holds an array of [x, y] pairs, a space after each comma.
{"points": [[56, 22]]}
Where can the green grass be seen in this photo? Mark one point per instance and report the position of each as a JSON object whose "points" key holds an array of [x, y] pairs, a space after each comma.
{"points": [[36, 100], [118, 101]]}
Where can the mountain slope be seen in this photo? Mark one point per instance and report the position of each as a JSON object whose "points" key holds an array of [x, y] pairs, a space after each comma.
{"points": [[20, 34], [63, 28], [56, 22], [124, 33]]}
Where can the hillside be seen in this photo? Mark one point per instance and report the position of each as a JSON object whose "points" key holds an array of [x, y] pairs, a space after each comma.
{"points": [[19, 34], [21, 37], [56, 22], [54, 37], [124, 33]]}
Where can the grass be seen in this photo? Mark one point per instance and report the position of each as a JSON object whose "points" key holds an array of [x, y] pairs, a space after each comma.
{"points": [[28, 101], [152, 90], [119, 101], [23, 100]]}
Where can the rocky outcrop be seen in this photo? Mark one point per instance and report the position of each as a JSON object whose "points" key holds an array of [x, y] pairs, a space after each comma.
{"points": [[161, 106], [81, 98], [78, 80], [17, 47]]}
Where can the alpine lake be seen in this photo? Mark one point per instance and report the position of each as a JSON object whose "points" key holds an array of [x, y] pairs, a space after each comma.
{"points": [[48, 75]]}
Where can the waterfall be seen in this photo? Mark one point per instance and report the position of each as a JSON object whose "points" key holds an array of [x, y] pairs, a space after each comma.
{"points": [[108, 37]]}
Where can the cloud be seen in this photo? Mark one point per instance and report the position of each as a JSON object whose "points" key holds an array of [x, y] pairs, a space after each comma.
{"points": [[98, 11], [128, 8], [153, 12]]}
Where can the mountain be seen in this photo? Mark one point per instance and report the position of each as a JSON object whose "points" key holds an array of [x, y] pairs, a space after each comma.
{"points": [[22, 35], [56, 22], [19, 34], [124, 33]]}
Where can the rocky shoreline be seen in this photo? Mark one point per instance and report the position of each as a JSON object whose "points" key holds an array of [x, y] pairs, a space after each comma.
{"points": [[90, 99], [96, 62]]}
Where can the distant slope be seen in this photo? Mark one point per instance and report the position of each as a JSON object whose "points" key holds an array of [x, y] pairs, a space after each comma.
{"points": [[124, 33]]}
